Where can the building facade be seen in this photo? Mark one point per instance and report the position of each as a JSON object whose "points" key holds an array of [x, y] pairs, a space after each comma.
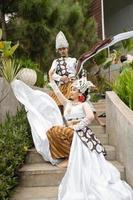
{"points": [[118, 16], [112, 17]]}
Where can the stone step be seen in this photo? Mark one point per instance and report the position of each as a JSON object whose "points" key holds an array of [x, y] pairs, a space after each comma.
{"points": [[35, 193], [100, 101], [41, 175], [44, 175], [98, 129], [99, 104], [121, 168], [111, 154], [99, 107], [100, 111], [102, 119], [34, 157]]}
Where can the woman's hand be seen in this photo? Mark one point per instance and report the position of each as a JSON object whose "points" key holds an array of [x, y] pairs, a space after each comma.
{"points": [[51, 72]]}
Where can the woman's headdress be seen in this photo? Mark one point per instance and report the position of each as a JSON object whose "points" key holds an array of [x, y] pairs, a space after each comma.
{"points": [[82, 84]]}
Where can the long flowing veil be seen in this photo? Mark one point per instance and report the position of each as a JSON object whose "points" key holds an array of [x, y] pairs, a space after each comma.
{"points": [[42, 114]]}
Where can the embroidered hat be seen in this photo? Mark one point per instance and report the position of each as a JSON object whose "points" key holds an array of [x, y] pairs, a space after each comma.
{"points": [[61, 41], [82, 84]]}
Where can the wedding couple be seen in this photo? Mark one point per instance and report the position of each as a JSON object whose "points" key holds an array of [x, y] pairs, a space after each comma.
{"points": [[88, 176]]}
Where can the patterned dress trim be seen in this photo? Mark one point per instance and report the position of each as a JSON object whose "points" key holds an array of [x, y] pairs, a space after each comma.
{"points": [[90, 140]]}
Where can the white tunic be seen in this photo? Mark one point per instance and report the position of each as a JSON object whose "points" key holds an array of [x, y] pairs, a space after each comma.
{"points": [[71, 67]]}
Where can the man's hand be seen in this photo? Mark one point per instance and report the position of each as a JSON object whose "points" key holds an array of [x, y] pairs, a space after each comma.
{"points": [[65, 79]]}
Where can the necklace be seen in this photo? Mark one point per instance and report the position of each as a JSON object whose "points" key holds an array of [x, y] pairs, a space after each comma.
{"points": [[75, 103]]}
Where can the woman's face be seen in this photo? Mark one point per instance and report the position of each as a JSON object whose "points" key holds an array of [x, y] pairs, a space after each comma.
{"points": [[74, 94]]}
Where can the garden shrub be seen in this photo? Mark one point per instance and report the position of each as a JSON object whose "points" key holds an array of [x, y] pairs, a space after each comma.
{"points": [[123, 86], [15, 139]]}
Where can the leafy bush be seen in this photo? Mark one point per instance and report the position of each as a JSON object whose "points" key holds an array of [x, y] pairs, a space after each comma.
{"points": [[15, 139], [28, 63], [123, 86], [127, 64]]}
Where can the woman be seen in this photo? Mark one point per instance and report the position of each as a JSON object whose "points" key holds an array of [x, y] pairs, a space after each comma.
{"points": [[77, 117], [89, 176]]}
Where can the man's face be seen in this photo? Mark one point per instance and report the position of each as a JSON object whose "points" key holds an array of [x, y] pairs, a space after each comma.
{"points": [[63, 52]]}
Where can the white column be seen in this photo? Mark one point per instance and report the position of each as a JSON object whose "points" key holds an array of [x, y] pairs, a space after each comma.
{"points": [[102, 16]]}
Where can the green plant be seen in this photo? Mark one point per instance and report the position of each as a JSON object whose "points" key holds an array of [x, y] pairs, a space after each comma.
{"points": [[15, 139], [127, 65], [127, 45], [40, 78], [9, 69], [95, 97], [45, 79], [123, 86], [28, 63], [6, 49], [103, 85], [8, 66]]}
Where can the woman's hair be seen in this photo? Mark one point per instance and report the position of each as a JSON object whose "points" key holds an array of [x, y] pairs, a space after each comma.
{"points": [[85, 94]]}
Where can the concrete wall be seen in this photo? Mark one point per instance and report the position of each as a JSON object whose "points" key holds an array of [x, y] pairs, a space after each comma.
{"points": [[119, 126], [119, 21], [9, 104]]}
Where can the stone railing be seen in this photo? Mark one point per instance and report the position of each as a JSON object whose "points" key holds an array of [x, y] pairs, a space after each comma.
{"points": [[119, 126]]}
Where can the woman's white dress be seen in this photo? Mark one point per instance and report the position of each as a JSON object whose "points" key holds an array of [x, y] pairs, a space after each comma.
{"points": [[89, 176]]}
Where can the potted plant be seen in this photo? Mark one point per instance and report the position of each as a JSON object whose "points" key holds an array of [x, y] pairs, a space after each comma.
{"points": [[28, 71], [9, 68]]}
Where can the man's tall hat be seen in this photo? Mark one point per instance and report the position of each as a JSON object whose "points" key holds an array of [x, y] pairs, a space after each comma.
{"points": [[61, 41]]}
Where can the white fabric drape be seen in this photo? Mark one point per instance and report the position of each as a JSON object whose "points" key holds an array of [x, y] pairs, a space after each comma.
{"points": [[89, 176], [117, 38], [42, 114]]}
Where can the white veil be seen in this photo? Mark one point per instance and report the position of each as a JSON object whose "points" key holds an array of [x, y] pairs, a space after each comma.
{"points": [[42, 114]]}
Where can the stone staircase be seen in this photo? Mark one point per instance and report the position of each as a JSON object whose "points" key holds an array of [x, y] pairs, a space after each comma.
{"points": [[40, 180]]}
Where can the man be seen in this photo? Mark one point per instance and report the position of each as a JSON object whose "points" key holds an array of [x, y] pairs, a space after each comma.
{"points": [[65, 71], [64, 67]]}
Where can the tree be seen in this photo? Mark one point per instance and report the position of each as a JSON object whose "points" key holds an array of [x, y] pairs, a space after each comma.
{"points": [[36, 23], [6, 7]]}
